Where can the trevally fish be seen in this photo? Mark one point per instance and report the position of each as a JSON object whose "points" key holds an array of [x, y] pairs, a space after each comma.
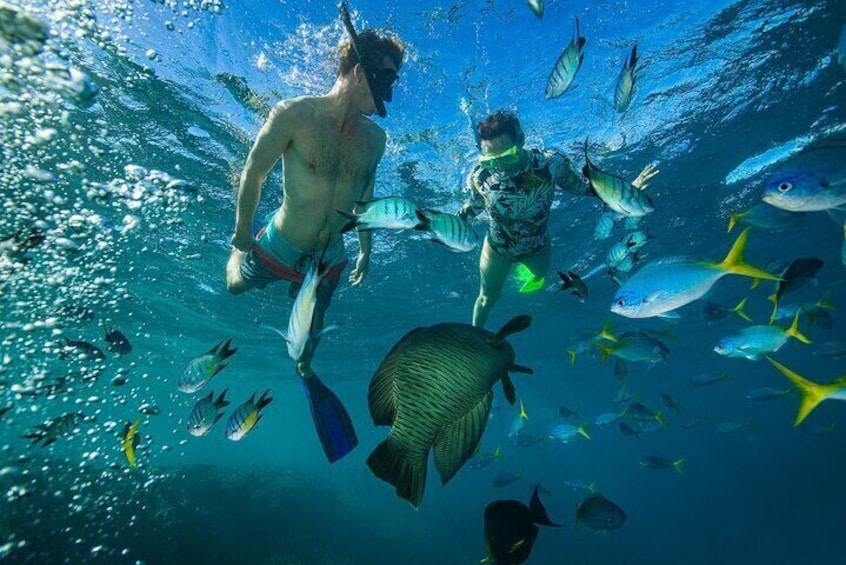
{"points": [[706, 379], [660, 287], [565, 432], [635, 347], [767, 393], [331, 419], [566, 66], [728, 428], [670, 403], [608, 418], [511, 530], [537, 7], [627, 430], [754, 341], [804, 191], [528, 440], [201, 369], [448, 229], [207, 411], [245, 418], [518, 422], [382, 213], [598, 513], [656, 462], [434, 390], [504, 478], [616, 193], [712, 311], [485, 459], [130, 441], [811, 393], [643, 414], [766, 217], [624, 89]]}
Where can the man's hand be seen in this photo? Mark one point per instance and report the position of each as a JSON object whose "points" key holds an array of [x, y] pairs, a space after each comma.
{"points": [[360, 271], [243, 241], [642, 180]]}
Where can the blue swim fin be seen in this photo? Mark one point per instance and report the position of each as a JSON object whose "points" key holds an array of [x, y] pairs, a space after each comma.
{"points": [[333, 424]]}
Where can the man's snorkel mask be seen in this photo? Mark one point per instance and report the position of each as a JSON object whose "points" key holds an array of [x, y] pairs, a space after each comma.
{"points": [[380, 81], [508, 161]]}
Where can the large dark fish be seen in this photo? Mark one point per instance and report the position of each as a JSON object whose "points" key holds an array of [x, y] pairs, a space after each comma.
{"points": [[796, 275], [118, 342], [511, 530], [624, 89], [434, 390], [599, 513], [574, 283]]}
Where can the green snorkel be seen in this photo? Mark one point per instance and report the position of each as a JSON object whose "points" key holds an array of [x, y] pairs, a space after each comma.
{"points": [[378, 96]]}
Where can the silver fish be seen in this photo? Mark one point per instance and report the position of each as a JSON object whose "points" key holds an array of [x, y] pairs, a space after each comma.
{"points": [[434, 390], [566, 67], [245, 418], [382, 213], [206, 413], [449, 230], [624, 89], [201, 369]]}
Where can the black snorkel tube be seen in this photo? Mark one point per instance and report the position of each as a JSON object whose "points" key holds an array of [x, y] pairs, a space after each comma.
{"points": [[374, 92]]}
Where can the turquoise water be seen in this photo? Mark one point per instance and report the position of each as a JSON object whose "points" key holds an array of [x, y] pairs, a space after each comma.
{"points": [[729, 92]]}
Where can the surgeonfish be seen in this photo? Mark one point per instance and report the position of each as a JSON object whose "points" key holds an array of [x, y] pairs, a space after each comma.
{"points": [[331, 419], [130, 441], [245, 418], [754, 341], [207, 411], [566, 66], [624, 89], [598, 513], [382, 213], [201, 369], [616, 193], [811, 394], [660, 287], [434, 390], [449, 230], [511, 529]]}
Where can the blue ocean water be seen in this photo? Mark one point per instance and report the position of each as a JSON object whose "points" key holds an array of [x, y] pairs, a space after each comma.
{"points": [[121, 136]]}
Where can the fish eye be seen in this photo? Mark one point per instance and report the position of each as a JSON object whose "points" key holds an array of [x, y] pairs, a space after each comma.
{"points": [[785, 186], [621, 302]]}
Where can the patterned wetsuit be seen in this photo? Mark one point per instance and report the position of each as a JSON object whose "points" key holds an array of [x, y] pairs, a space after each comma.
{"points": [[518, 204]]}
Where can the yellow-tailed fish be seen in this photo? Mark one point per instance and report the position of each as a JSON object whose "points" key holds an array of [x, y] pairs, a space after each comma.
{"points": [[811, 394], [754, 341]]}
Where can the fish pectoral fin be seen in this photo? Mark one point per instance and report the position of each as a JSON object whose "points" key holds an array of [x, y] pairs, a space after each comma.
{"points": [[380, 397], [672, 315], [457, 442]]}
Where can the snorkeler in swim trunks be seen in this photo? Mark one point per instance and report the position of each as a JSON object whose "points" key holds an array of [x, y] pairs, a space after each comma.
{"points": [[515, 186], [330, 150]]}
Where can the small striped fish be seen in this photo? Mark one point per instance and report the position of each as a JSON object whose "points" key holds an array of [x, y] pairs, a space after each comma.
{"points": [[624, 89], [434, 390], [207, 411], [382, 213], [622, 255], [448, 229], [246, 416], [605, 225], [201, 369], [618, 194], [566, 67]]}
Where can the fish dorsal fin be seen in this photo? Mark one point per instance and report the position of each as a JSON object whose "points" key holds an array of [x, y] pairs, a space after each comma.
{"points": [[381, 397], [456, 443], [539, 514], [514, 325]]}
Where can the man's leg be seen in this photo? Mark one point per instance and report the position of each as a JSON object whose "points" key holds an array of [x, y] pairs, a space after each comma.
{"points": [[493, 270], [235, 283], [538, 263], [325, 291]]}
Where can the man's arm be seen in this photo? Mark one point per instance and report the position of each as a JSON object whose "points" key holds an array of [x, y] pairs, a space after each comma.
{"points": [[365, 237], [272, 140], [474, 204], [566, 178]]}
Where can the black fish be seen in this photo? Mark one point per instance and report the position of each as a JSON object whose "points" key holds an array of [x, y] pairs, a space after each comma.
{"points": [[53, 429], [4, 410], [118, 343], [599, 513], [85, 350], [574, 283], [511, 531], [796, 275]]}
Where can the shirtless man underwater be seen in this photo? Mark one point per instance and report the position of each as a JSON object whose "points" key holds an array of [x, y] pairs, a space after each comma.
{"points": [[330, 151]]}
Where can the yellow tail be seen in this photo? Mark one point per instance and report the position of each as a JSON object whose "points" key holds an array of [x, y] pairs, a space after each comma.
{"points": [[733, 263], [735, 217], [739, 310], [604, 350], [128, 448], [793, 330], [523, 411], [677, 465], [606, 332], [583, 432], [824, 304], [810, 393], [572, 354]]}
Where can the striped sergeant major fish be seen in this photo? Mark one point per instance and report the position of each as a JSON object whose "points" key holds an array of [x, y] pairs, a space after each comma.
{"points": [[616, 193], [331, 420], [382, 213], [247, 416], [624, 89], [201, 369], [448, 229], [207, 411], [566, 67]]}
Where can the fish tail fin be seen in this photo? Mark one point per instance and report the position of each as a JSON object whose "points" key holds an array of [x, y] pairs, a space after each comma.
{"points": [[264, 400], [390, 463], [583, 432], [605, 333], [221, 401], [604, 350], [498, 453], [226, 351], [539, 514], [351, 224], [276, 330], [677, 465], [331, 420], [810, 393], [572, 354], [824, 304], [734, 217], [592, 487], [523, 413], [734, 263], [755, 283], [425, 221], [739, 310], [793, 330], [660, 418]]}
